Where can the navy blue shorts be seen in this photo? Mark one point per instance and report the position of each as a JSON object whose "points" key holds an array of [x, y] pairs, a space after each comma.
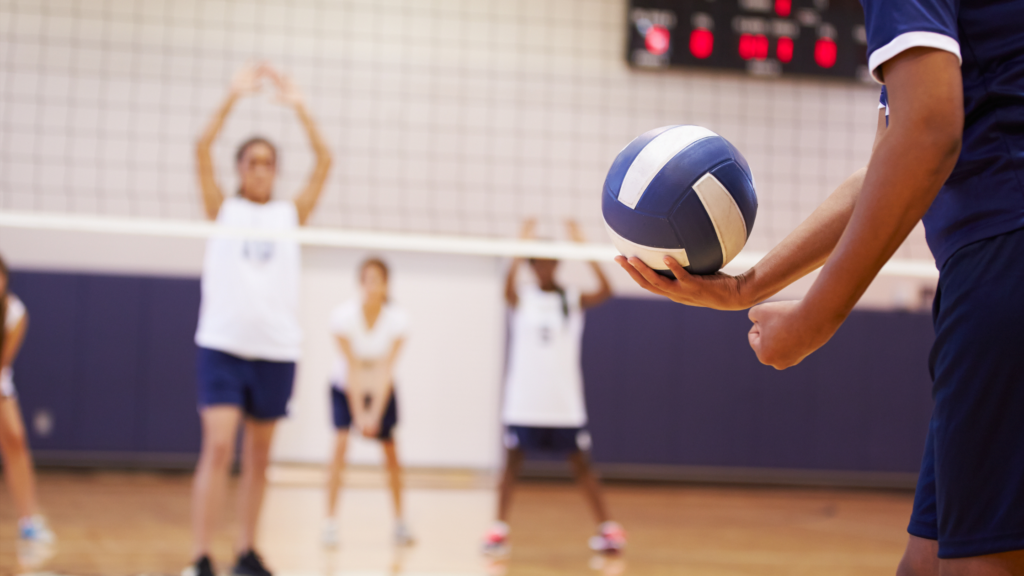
{"points": [[343, 414], [550, 440], [260, 387], [970, 495]]}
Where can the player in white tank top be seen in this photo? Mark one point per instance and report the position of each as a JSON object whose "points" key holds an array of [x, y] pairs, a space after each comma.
{"points": [[248, 334], [17, 458], [544, 408], [369, 332]]}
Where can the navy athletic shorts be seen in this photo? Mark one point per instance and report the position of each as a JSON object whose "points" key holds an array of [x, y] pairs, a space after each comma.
{"points": [[343, 414], [970, 495], [544, 439], [260, 387]]}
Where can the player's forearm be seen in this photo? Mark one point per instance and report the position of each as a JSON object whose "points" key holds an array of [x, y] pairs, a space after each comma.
{"points": [[216, 123], [907, 170], [510, 282], [806, 248], [315, 139]]}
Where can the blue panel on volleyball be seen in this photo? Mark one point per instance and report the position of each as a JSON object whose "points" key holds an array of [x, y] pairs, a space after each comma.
{"points": [[683, 192]]}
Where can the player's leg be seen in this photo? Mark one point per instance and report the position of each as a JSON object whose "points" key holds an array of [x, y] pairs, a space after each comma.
{"points": [[513, 463], [335, 470], [19, 473], [268, 389], [252, 482], [496, 538], [342, 416], [1001, 564], [588, 482], [610, 536], [921, 558], [219, 428], [403, 535], [388, 421]]}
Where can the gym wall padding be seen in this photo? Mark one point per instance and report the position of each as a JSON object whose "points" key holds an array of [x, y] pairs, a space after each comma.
{"points": [[673, 386], [109, 361], [673, 392]]}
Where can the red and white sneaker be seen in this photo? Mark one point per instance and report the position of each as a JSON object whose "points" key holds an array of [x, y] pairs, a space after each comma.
{"points": [[610, 538], [496, 540]]}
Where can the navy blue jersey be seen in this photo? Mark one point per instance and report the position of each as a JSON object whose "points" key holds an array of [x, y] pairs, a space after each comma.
{"points": [[984, 196]]}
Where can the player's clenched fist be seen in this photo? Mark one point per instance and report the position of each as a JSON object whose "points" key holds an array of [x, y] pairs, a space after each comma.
{"points": [[784, 333]]}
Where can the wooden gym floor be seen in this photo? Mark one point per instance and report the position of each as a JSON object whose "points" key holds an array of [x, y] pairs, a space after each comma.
{"points": [[132, 523]]}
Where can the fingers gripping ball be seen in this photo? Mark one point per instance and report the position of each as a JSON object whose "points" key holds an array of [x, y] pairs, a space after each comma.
{"points": [[680, 191]]}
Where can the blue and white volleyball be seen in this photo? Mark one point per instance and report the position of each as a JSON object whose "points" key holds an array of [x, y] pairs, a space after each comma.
{"points": [[680, 191]]}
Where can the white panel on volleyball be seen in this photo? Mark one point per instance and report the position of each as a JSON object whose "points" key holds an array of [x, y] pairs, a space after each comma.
{"points": [[653, 257], [649, 162], [725, 215]]}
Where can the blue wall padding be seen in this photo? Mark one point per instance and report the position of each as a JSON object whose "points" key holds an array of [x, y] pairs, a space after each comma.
{"points": [[112, 359], [669, 384]]}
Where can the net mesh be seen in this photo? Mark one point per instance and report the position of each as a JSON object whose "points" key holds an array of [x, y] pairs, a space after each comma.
{"points": [[444, 117]]}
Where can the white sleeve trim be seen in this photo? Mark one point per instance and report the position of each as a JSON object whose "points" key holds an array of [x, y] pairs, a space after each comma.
{"points": [[907, 41], [881, 106]]}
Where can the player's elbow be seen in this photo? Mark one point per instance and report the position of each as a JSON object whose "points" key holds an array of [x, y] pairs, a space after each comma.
{"points": [[940, 129]]}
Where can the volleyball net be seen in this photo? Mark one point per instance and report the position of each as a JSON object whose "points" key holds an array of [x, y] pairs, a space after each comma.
{"points": [[380, 241]]}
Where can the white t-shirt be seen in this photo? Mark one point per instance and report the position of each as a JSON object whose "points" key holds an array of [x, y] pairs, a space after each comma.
{"points": [[544, 387], [251, 287], [15, 312], [369, 344]]}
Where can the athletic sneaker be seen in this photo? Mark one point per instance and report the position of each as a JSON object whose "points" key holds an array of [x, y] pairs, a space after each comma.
{"points": [[329, 534], [496, 540], [403, 536], [250, 564], [202, 567], [610, 538], [34, 529]]}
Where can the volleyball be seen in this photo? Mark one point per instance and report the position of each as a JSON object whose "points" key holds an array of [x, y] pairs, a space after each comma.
{"points": [[680, 191]]}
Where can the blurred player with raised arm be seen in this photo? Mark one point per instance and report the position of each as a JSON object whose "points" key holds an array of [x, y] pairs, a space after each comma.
{"points": [[249, 337], [544, 409], [950, 151]]}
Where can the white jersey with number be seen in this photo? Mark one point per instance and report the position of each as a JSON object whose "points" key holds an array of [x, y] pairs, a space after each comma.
{"points": [[369, 345], [544, 387], [15, 312], [250, 288]]}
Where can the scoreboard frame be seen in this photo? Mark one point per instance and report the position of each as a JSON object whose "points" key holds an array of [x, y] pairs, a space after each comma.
{"points": [[822, 38]]}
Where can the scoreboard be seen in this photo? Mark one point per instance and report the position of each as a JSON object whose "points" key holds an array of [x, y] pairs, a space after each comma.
{"points": [[759, 37]]}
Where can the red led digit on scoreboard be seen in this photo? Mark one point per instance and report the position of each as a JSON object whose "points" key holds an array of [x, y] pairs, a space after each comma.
{"points": [[753, 46], [783, 7], [825, 52], [702, 43], [657, 40], [784, 50]]}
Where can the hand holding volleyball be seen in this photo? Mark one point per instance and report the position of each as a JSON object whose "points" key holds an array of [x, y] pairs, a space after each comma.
{"points": [[718, 291]]}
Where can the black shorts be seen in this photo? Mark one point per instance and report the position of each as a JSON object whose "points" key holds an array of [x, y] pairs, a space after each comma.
{"points": [[547, 439], [970, 495], [343, 414]]}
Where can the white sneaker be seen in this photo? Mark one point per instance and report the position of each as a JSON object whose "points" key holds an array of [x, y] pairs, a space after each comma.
{"points": [[403, 536], [34, 529], [329, 534], [610, 538], [496, 541]]}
